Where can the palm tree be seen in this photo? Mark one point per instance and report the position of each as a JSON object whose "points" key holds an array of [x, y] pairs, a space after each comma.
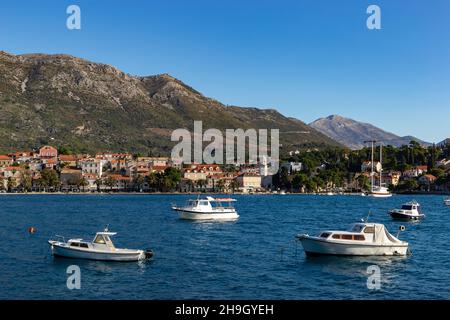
{"points": [[138, 182], [83, 183], [151, 181], [26, 181], [221, 186], [99, 183], [110, 182], [11, 183], [234, 185], [190, 185]]}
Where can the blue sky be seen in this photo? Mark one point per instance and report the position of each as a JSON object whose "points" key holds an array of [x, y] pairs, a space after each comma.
{"points": [[305, 58]]}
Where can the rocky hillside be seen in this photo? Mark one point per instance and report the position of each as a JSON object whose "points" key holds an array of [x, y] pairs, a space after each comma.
{"points": [[86, 106], [352, 133]]}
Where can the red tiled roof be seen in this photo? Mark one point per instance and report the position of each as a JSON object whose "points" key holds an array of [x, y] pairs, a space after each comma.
{"points": [[14, 168], [4, 157], [68, 170], [64, 157], [119, 177], [23, 153]]}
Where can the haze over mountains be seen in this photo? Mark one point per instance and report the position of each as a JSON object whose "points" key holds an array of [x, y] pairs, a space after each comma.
{"points": [[352, 133], [90, 107]]}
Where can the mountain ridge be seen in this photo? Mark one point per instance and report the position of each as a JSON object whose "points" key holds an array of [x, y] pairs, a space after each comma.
{"points": [[353, 133], [88, 106]]}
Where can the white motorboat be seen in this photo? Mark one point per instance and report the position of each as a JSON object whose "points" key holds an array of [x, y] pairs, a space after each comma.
{"points": [[101, 248], [447, 202], [409, 211], [208, 209], [361, 239]]}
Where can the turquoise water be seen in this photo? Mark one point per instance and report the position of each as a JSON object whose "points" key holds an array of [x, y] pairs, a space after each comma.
{"points": [[252, 258]]}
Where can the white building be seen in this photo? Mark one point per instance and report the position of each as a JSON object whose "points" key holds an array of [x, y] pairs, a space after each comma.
{"points": [[92, 166], [367, 166]]}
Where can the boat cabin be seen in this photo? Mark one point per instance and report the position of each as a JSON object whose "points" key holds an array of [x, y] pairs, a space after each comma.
{"points": [[210, 203], [410, 206], [101, 240], [356, 232]]}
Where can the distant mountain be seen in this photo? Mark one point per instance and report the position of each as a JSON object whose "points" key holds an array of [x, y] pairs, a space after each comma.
{"points": [[90, 107], [352, 133]]}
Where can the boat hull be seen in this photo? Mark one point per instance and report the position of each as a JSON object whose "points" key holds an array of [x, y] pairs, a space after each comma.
{"points": [[315, 247], [405, 217], [188, 215], [380, 195], [132, 255]]}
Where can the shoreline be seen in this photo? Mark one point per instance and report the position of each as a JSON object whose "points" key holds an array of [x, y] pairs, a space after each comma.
{"points": [[204, 193]]}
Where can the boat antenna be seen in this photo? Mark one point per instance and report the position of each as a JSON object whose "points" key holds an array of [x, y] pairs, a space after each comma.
{"points": [[106, 228], [368, 215]]}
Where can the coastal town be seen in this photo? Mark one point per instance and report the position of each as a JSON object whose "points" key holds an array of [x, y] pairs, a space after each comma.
{"points": [[408, 169]]}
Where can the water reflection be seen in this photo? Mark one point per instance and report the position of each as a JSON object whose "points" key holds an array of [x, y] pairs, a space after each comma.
{"points": [[390, 267]]}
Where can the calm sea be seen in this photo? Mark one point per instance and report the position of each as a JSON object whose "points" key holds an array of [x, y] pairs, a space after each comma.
{"points": [[255, 257]]}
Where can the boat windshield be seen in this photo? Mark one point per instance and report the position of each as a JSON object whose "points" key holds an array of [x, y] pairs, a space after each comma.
{"points": [[356, 228], [99, 239], [222, 204], [192, 203], [407, 207]]}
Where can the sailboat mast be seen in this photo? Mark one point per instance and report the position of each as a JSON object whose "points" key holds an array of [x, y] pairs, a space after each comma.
{"points": [[381, 162], [372, 173]]}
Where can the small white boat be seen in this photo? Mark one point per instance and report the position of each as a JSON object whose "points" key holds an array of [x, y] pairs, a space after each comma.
{"points": [[380, 192], [409, 211], [361, 239], [101, 248], [208, 209], [329, 193], [447, 202]]}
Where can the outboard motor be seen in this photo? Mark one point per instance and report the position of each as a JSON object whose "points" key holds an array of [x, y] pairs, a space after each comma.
{"points": [[148, 253]]}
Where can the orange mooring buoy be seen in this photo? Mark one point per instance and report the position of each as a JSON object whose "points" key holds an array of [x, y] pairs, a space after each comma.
{"points": [[31, 230]]}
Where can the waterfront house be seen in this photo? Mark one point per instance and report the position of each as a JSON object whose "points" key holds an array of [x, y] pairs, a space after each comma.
{"points": [[5, 160], [158, 169], [68, 160], [292, 167], [113, 156], [91, 180], [367, 166], [92, 166], [120, 182], [24, 156], [196, 172], [70, 179], [118, 164], [426, 181], [49, 163], [415, 172], [248, 182], [12, 175], [48, 152], [388, 178]]}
